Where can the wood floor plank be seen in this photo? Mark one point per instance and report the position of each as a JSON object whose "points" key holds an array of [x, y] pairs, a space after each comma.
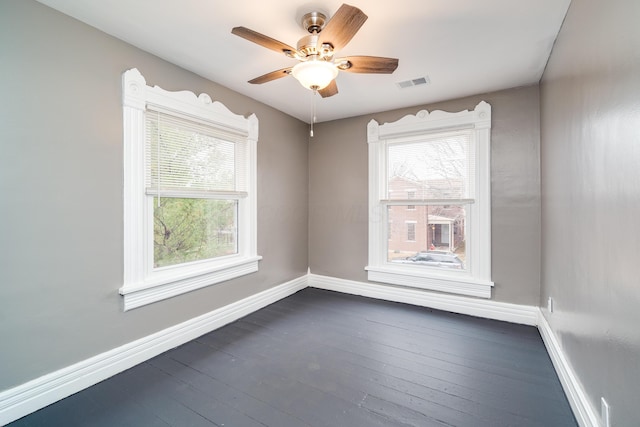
{"points": [[265, 381], [392, 354], [310, 370], [339, 364], [450, 349], [446, 394], [227, 393], [321, 358], [443, 341]]}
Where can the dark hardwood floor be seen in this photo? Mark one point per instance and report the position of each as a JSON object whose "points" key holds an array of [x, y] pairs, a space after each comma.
{"points": [[320, 358]]}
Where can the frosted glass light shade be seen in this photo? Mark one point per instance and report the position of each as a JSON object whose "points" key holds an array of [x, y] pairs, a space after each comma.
{"points": [[315, 74]]}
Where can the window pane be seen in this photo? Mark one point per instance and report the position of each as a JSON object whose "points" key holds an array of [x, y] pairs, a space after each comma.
{"points": [[181, 154], [437, 168], [411, 195], [188, 230], [430, 236], [411, 232]]}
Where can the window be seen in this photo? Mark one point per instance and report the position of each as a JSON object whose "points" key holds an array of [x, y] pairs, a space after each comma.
{"points": [[411, 195], [431, 171], [189, 189], [195, 176], [411, 231]]}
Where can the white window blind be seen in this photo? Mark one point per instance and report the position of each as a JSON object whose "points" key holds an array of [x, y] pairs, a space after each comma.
{"points": [[437, 168], [186, 158]]}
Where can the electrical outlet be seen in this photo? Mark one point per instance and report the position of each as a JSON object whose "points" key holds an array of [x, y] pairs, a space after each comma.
{"points": [[605, 413], [550, 305]]}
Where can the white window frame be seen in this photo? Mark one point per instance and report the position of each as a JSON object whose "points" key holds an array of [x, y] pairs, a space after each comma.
{"points": [[475, 279], [144, 284]]}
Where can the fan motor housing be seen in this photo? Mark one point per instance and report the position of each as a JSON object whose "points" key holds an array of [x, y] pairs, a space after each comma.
{"points": [[308, 46]]}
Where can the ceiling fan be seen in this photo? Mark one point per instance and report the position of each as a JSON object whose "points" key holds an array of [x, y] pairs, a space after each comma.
{"points": [[318, 68]]}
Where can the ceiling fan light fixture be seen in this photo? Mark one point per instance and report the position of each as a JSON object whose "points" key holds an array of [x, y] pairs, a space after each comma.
{"points": [[314, 74]]}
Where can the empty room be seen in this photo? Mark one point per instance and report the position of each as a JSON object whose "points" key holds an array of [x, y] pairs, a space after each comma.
{"points": [[320, 214]]}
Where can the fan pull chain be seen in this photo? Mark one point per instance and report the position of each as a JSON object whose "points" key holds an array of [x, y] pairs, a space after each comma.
{"points": [[313, 110]]}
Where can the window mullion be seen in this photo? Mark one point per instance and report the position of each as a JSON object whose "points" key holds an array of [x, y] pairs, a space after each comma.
{"points": [[418, 202], [194, 194]]}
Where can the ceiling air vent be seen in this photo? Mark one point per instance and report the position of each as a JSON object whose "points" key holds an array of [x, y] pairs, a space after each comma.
{"points": [[414, 82]]}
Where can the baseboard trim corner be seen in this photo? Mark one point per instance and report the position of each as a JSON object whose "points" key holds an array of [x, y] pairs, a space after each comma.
{"points": [[584, 412], [26, 398], [514, 313]]}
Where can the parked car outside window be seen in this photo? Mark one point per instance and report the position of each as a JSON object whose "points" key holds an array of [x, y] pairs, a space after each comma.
{"points": [[442, 259]]}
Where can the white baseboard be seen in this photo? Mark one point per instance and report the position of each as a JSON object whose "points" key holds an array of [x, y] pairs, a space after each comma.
{"points": [[36, 394], [582, 408], [514, 313]]}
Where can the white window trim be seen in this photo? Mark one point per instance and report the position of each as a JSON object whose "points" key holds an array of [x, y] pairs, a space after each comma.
{"points": [[475, 280], [142, 283]]}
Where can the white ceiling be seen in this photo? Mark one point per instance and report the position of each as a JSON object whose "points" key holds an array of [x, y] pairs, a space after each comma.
{"points": [[464, 47]]}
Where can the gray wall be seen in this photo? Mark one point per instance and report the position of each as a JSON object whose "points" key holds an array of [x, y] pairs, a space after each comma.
{"points": [[590, 145], [61, 227], [338, 182], [61, 181]]}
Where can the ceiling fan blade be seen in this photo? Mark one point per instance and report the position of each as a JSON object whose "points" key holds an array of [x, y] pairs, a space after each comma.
{"points": [[368, 64], [274, 75], [342, 26], [263, 40], [330, 90]]}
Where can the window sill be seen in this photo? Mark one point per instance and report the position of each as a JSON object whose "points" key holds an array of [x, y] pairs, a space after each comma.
{"points": [[138, 295], [454, 282]]}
